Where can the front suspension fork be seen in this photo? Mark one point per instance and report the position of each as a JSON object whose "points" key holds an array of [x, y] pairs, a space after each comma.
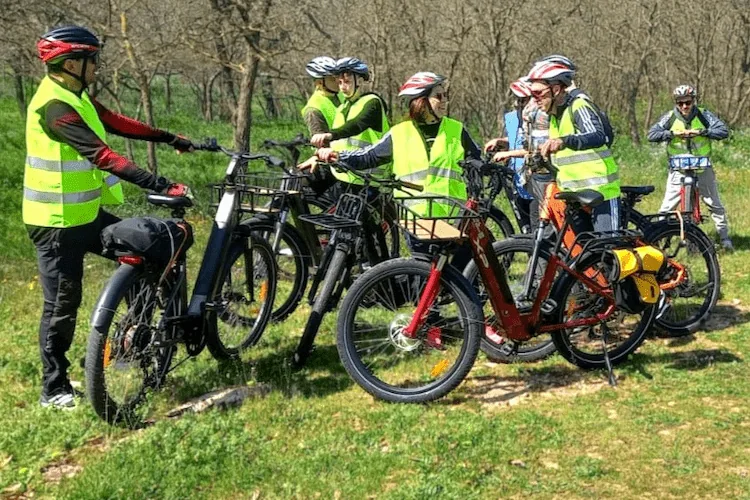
{"points": [[430, 294]]}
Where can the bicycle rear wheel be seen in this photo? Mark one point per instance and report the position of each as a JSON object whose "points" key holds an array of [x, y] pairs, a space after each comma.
{"points": [[395, 367], [688, 305], [620, 335], [122, 361], [514, 255], [244, 300]]}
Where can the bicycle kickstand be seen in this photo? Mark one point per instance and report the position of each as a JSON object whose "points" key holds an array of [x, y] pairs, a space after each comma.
{"points": [[610, 372]]}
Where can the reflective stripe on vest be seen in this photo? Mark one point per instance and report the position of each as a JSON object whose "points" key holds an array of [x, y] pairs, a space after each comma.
{"points": [[58, 165], [61, 187], [439, 174], [46, 197], [320, 101], [587, 169], [362, 140], [698, 146]]}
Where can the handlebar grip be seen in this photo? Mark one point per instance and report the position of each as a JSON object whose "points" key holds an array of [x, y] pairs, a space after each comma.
{"points": [[409, 185]]}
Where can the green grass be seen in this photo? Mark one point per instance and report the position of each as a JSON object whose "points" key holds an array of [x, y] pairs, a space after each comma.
{"points": [[676, 427]]}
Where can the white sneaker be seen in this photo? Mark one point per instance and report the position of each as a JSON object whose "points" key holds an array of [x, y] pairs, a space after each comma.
{"points": [[62, 401]]}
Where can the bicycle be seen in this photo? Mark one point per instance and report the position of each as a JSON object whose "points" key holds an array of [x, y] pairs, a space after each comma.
{"points": [[297, 244], [691, 287], [405, 357], [143, 312], [354, 239]]}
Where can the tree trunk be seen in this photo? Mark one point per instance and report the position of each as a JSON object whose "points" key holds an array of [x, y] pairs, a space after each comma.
{"points": [[243, 116], [20, 94], [635, 133], [168, 90], [269, 99]]}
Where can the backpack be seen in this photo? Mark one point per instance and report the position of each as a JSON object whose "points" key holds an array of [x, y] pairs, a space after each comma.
{"points": [[609, 131], [158, 240]]}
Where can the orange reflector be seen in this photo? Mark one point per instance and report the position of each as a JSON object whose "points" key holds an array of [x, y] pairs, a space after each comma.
{"points": [[107, 353], [439, 368], [263, 291]]}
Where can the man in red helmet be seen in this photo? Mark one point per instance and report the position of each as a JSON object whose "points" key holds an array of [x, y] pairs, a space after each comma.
{"points": [[70, 173]]}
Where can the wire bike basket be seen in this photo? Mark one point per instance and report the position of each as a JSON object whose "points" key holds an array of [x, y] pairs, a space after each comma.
{"points": [[433, 218], [348, 213], [260, 192]]}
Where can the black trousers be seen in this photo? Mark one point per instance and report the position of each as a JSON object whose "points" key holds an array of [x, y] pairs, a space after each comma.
{"points": [[60, 253]]}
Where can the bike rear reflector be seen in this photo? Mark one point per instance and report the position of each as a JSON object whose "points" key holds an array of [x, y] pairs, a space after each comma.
{"points": [[133, 260]]}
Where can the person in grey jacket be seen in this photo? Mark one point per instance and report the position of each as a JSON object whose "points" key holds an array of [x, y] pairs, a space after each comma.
{"points": [[690, 129]]}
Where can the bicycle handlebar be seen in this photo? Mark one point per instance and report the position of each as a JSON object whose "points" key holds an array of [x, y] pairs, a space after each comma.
{"points": [[392, 182], [212, 146], [298, 141]]}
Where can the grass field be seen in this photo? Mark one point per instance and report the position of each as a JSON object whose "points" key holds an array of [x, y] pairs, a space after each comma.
{"points": [[677, 426]]}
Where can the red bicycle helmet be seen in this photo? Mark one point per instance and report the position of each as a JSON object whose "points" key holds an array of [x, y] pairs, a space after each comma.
{"points": [[67, 42]]}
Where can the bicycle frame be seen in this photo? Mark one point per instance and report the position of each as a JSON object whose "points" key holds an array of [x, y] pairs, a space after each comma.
{"points": [[517, 325]]}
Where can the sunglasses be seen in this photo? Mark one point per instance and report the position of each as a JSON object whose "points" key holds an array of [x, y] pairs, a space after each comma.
{"points": [[684, 103], [440, 96], [539, 94]]}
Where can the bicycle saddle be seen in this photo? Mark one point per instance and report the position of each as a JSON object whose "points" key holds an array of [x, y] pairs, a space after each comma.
{"points": [[637, 190], [162, 200], [585, 197]]}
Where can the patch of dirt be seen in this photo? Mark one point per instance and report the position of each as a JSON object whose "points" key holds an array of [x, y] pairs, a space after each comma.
{"points": [[55, 472], [512, 390]]}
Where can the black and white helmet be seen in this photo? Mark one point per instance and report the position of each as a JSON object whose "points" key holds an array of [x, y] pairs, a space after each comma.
{"points": [[684, 91], [321, 67], [354, 66]]}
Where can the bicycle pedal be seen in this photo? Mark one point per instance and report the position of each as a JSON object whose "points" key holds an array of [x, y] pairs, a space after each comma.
{"points": [[524, 307], [549, 306]]}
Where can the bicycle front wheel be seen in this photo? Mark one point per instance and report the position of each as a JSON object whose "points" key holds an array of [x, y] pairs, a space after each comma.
{"points": [[619, 335], [399, 368], [244, 300], [122, 360]]}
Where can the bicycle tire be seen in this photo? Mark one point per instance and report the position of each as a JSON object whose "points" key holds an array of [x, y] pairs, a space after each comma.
{"points": [[301, 258], [333, 274], [503, 222], [633, 337], [536, 349], [697, 243], [132, 292], [440, 378], [228, 299]]}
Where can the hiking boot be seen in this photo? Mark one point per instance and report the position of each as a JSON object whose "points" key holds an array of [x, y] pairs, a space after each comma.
{"points": [[727, 245], [63, 400]]}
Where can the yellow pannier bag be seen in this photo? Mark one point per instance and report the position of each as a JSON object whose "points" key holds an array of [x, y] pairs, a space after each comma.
{"points": [[634, 273], [629, 261]]}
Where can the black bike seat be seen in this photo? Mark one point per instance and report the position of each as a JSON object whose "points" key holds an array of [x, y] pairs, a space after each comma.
{"points": [[637, 190], [163, 200], [585, 197]]}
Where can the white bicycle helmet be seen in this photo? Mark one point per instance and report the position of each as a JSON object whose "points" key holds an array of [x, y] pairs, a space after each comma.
{"points": [[420, 84], [321, 67], [556, 58], [552, 72], [521, 88], [683, 91]]}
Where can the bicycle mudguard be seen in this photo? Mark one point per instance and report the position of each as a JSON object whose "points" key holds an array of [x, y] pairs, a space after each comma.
{"points": [[107, 301]]}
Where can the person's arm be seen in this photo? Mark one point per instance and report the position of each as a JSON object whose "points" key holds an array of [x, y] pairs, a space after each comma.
{"points": [[659, 131], [130, 128], [373, 156], [370, 117], [64, 124], [316, 122], [717, 129], [471, 150], [591, 133]]}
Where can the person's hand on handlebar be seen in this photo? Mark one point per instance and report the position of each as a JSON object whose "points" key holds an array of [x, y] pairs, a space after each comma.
{"points": [[502, 156], [499, 143], [177, 189], [182, 144], [321, 140], [550, 147], [327, 155]]}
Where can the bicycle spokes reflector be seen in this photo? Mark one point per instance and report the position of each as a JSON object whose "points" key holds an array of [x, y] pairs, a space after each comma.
{"points": [[439, 368]]}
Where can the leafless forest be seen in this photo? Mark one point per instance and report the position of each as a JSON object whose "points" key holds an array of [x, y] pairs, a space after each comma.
{"points": [[232, 53]]}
